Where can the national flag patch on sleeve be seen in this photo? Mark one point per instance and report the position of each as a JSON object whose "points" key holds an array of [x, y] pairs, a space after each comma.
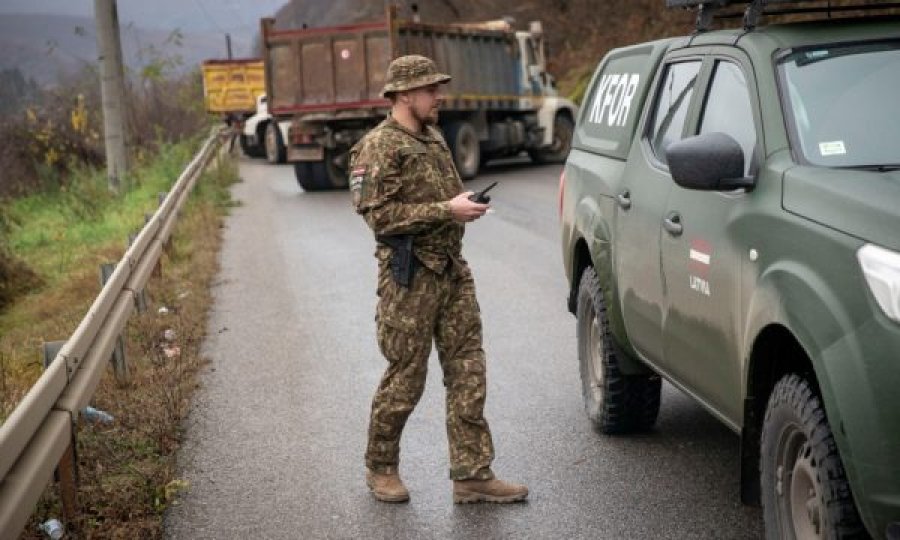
{"points": [[358, 176], [357, 182]]}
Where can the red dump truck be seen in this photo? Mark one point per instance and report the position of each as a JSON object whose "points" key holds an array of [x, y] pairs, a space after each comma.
{"points": [[327, 82]]}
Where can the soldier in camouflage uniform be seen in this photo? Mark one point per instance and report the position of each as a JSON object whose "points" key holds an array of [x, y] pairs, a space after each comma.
{"points": [[403, 182]]}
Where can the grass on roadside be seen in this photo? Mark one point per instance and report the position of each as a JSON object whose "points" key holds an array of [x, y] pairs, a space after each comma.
{"points": [[127, 468], [63, 234]]}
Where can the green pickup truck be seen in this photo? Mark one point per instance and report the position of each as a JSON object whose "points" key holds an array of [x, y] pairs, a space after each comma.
{"points": [[730, 217]]}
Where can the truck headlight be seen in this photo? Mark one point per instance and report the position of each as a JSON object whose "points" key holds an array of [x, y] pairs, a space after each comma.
{"points": [[882, 270]]}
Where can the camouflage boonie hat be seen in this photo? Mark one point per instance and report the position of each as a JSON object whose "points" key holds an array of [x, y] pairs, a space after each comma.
{"points": [[411, 71]]}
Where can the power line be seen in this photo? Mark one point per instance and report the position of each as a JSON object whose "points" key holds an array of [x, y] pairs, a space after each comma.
{"points": [[207, 16]]}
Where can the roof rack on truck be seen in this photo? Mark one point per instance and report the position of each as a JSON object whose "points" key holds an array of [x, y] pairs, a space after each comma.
{"points": [[707, 10]]}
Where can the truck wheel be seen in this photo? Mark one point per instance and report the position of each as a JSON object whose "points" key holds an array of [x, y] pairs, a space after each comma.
{"points": [[311, 175], [614, 402], [805, 492], [463, 142], [337, 174], [249, 150], [275, 149], [563, 130]]}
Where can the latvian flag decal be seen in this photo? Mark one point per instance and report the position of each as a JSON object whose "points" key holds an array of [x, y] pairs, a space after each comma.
{"points": [[700, 257]]}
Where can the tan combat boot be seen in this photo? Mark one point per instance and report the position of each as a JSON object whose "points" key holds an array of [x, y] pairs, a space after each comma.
{"points": [[494, 490], [387, 487]]}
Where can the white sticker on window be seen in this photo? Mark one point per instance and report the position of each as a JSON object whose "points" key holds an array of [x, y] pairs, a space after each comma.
{"points": [[815, 55], [832, 148]]}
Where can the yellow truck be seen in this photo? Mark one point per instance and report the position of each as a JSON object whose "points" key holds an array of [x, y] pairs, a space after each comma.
{"points": [[230, 87]]}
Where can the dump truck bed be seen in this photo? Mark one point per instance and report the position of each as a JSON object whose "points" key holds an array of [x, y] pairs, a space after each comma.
{"points": [[231, 86], [343, 67]]}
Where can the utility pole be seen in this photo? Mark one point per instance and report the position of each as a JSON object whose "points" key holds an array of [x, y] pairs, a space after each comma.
{"points": [[112, 89], [228, 45]]}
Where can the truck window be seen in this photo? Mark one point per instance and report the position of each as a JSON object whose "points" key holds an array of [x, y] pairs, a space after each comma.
{"points": [[728, 109], [672, 102], [529, 51]]}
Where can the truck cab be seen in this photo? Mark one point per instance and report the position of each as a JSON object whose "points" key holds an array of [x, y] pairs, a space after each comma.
{"points": [[263, 136], [535, 79]]}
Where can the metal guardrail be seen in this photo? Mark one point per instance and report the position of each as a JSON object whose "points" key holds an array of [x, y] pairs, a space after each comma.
{"points": [[38, 438]]}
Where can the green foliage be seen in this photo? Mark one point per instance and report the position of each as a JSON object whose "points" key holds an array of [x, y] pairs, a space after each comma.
{"points": [[581, 80], [54, 230]]}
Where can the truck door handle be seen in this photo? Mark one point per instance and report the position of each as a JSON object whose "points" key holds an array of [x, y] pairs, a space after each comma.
{"points": [[624, 199], [672, 224]]}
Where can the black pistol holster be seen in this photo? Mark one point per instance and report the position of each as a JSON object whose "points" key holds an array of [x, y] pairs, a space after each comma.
{"points": [[403, 262]]}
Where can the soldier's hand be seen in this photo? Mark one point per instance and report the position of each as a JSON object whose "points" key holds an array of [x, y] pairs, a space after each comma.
{"points": [[465, 210]]}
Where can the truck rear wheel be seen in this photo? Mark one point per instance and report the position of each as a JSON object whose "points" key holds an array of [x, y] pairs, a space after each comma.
{"points": [[805, 491], [311, 175], [275, 149], [465, 148], [614, 402], [558, 151], [335, 167]]}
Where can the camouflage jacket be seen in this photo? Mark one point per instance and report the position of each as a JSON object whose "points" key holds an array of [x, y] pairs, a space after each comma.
{"points": [[401, 183]]}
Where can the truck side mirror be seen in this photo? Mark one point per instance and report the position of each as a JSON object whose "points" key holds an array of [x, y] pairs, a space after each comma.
{"points": [[711, 162]]}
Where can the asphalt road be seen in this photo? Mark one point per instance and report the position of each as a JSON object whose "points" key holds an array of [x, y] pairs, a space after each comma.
{"points": [[276, 435]]}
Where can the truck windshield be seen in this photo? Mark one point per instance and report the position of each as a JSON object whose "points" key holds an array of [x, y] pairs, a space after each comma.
{"points": [[842, 104]]}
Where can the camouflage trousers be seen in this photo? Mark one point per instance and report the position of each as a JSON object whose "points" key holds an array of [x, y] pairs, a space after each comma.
{"points": [[440, 308]]}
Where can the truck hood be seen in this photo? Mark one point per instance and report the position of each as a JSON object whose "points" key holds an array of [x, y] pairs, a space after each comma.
{"points": [[865, 204]]}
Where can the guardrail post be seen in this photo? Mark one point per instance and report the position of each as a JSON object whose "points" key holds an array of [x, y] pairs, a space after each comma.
{"points": [[51, 349], [118, 360], [232, 136], [140, 299], [106, 271], [167, 245], [66, 473]]}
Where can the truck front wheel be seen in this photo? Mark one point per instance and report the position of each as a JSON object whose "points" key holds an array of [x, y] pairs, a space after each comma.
{"points": [[465, 148], [805, 492], [614, 402], [250, 150], [563, 130], [275, 149]]}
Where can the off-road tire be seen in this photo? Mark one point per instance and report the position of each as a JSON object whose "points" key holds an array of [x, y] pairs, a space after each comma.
{"points": [[465, 148], [805, 492], [312, 176], [274, 144], [614, 402], [563, 131]]}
